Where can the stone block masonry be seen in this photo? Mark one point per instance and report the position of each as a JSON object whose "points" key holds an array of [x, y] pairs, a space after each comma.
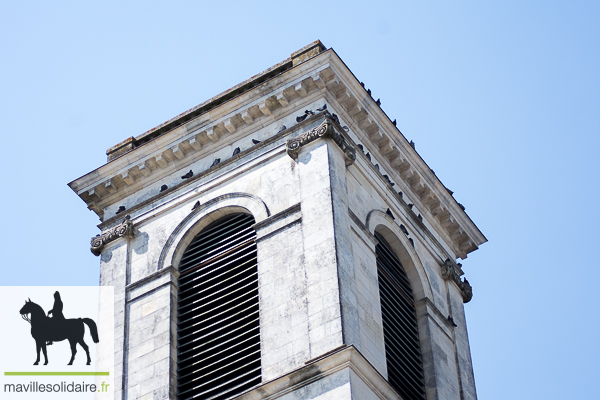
{"points": [[313, 158]]}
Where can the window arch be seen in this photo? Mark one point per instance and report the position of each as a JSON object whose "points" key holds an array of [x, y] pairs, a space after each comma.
{"points": [[400, 332], [218, 332]]}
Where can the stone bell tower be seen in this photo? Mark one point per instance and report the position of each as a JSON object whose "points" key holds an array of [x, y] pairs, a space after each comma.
{"points": [[283, 240]]}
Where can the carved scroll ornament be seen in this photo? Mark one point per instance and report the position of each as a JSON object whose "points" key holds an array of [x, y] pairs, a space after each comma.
{"points": [[325, 130], [449, 271], [124, 229]]}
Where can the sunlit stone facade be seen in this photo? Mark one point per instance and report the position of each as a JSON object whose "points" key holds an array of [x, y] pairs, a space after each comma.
{"points": [[305, 150]]}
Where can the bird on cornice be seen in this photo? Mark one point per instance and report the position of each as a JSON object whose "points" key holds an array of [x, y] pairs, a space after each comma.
{"points": [[163, 188], [255, 141], [322, 108], [217, 160], [283, 128], [389, 212], [403, 229], [120, 210], [188, 175], [236, 151]]}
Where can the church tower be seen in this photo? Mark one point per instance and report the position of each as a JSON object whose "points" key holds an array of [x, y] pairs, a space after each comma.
{"points": [[283, 240]]}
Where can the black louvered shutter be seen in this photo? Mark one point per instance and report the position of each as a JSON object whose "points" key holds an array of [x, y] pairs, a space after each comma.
{"points": [[218, 348], [400, 334]]}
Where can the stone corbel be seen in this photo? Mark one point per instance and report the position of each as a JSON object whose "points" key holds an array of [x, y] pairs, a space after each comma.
{"points": [[124, 229], [325, 130], [450, 271]]}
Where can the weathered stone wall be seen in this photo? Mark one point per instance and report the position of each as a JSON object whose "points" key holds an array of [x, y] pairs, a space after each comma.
{"points": [[315, 219]]}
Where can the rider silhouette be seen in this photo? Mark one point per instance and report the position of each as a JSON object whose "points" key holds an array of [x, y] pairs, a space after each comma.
{"points": [[56, 310]]}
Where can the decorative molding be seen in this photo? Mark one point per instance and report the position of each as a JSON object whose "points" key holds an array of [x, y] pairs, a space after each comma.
{"points": [[450, 270], [321, 367], [250, 202], [325, 130], [361, 111], [189, 140], [278, 222], [124, 229]]}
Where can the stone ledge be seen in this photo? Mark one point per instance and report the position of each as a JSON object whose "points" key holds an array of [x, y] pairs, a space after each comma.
{"points": [[151, 282], [276, 223], [345, 358]]}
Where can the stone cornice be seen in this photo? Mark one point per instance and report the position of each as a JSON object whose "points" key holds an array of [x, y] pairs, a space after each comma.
{"points": [[319, 368], [403, 162], [325, 130], [324, 74], [124, 230], [202, 136], [450, 271], [297, 57], [251, 155]]}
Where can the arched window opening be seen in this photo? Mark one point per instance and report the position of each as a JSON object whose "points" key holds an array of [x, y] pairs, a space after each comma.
{"points": [[400, 333], [218, 347]]}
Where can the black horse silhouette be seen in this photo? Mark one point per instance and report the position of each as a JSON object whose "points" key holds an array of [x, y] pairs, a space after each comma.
{"points": [[44, 329]]}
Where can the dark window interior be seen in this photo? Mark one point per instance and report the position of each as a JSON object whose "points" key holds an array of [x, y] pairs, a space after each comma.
{"points": [[218, 347], [401, 337]]}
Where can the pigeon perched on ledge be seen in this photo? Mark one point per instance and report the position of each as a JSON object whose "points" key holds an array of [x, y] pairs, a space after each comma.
{"points": [[120, 210], [303, 117], [322, 108], [255, 141], [403, 229], [163, 188], [188, 175], [236, 151], [389, 212], [217, 160], [451, 320]]}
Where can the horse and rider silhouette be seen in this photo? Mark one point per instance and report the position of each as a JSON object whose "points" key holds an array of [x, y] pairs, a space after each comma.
{"points": [[46, 330]]}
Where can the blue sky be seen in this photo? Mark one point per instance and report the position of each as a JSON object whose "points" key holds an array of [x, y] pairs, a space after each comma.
{"points": [[501, 98]]}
